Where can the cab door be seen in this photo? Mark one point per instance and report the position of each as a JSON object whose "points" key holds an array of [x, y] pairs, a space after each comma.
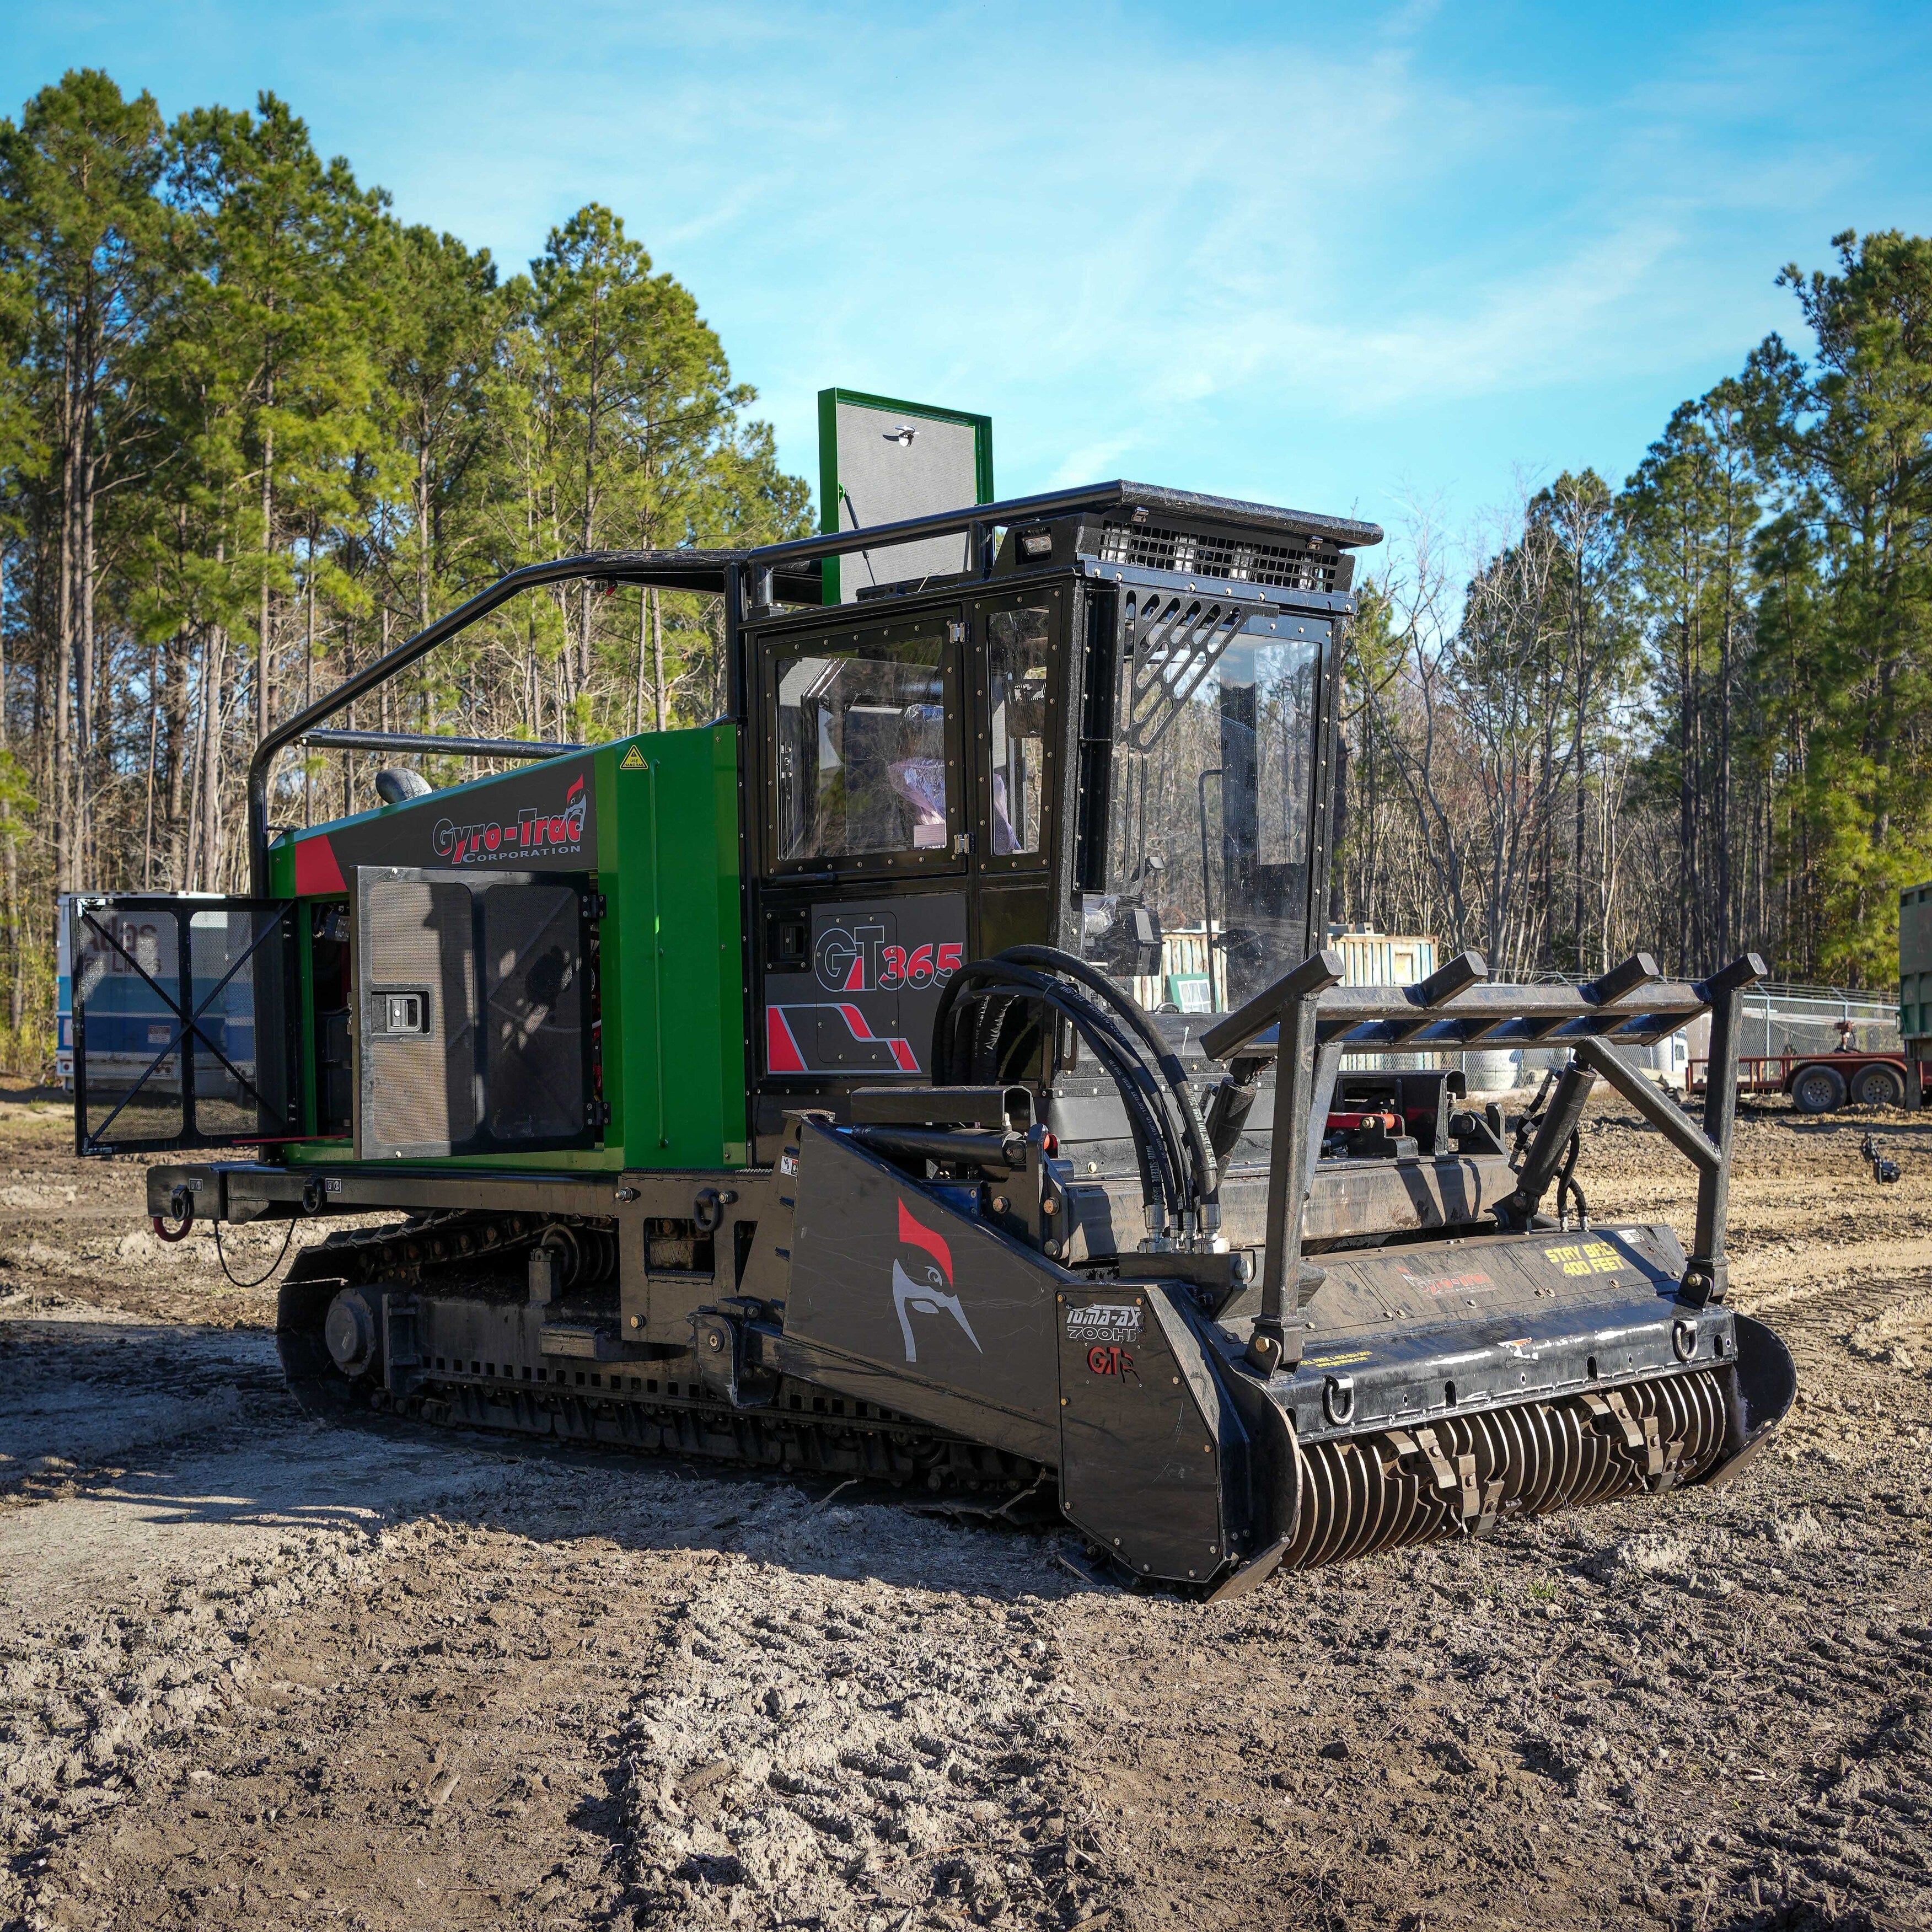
{"points": [[1019, 657], [862, 906], [183, 1022]]}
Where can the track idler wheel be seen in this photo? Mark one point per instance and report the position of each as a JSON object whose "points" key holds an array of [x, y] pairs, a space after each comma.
{"points": [[351, 1331], [303, 1341]]}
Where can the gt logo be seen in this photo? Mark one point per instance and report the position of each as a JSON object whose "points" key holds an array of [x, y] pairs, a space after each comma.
{"points": [[858, 961], [1110, 1359], [848, 962]]}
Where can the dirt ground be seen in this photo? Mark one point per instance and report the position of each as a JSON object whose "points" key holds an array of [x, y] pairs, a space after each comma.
{"points": [[256, 1672]]}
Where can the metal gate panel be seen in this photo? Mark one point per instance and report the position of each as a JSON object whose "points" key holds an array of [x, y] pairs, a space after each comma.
{"points": [[184, 1011]]}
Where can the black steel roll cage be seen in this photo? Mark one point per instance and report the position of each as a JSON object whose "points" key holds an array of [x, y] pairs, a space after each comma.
{"points": [[1307, 1019], [753, 583]]}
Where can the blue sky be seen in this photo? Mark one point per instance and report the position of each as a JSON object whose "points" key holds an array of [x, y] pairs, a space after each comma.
{"points": [[1347, 260]]}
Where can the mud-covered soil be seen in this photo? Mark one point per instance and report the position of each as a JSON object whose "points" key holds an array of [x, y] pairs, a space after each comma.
{"points": [[253, 1672]]}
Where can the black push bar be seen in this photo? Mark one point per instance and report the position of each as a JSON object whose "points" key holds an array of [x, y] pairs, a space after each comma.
{"points": [[1307, 1019], [1455, 1007]]}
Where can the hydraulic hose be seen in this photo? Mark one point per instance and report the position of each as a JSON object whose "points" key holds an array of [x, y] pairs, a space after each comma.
{"points": [[1028, 983], [1206, 1179], [1568, 1184], [1173, 1160], [1163, 1187]]}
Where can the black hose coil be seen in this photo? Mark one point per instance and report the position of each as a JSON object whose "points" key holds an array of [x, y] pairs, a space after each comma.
{"points": [[983, 1029]]}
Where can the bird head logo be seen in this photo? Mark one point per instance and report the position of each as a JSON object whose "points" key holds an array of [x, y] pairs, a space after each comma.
{"points": [[922, 1281]]}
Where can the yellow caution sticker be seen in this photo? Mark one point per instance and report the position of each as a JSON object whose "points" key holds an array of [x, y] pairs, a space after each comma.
{"points": [[1336, 1361], [1585, 1258], [634, 761]]}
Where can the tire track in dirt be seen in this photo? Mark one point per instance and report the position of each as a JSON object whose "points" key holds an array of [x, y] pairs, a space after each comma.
{"points": [[388, 1679]]}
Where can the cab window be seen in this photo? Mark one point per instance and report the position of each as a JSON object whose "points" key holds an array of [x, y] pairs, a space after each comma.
{"points": [[863, 745], [1016, 650]]}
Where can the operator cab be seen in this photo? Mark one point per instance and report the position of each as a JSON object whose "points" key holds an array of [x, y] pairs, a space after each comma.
{"points": [[1114, 740]]}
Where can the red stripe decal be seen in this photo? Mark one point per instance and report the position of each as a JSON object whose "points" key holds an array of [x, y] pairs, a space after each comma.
{"points": [[903, 1053], [317, 869], [782, 1053], [855, 980]]}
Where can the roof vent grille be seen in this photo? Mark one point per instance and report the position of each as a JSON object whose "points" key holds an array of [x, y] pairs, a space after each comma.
{"points": [[1291, 565]]}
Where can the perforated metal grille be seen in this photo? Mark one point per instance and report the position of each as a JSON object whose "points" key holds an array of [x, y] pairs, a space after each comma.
{"points": [[1239, 560], [1175, 643]]}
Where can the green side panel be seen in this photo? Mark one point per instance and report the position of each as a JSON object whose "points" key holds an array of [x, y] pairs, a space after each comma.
{"points": [[282, 885], [672, 970], [305, 1022], [674, 993]]}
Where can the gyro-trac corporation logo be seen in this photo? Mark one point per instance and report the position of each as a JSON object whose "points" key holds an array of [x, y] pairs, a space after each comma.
{"points": [[535, 830]]}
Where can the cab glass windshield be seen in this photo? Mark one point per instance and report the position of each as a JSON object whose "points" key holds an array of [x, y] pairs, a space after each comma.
{"points": [[1205, 900]]}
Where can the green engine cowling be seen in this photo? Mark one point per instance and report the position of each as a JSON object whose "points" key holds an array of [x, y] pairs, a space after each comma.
{"points": [[646, 831]]}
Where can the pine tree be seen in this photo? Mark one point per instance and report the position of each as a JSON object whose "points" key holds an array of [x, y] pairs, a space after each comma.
{"points": [[285, 299], [78, 236], [1852, 443]]}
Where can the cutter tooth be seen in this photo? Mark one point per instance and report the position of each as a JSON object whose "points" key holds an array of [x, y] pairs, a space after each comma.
{"points": [[1460, 1476]]}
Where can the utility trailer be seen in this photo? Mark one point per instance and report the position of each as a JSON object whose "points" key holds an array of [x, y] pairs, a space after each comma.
{"points": [[1821, 1083], [769, 1091]]}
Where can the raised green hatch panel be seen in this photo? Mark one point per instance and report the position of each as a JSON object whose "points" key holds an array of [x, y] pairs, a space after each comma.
{"points": [[674, 997]]}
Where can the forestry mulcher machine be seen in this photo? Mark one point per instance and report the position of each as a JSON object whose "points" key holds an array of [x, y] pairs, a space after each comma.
{"points": [[932, 1072]]}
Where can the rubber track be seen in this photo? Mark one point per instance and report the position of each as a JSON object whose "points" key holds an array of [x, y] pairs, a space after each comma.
{"points": [[1359, 1495], [780, 1440], [1365, 1495]]}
